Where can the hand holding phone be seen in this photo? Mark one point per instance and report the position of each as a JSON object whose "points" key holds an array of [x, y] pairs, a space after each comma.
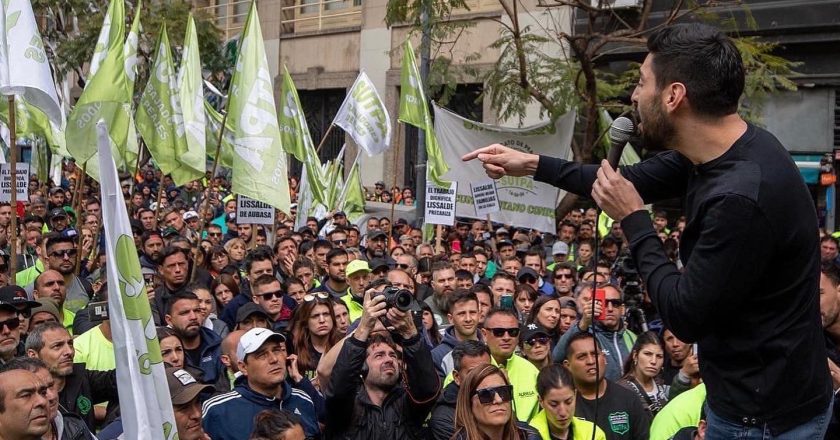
{"points": [[601, 299]]}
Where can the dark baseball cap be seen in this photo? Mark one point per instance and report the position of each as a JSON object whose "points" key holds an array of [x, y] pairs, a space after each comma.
{"points": [[533, 329], [527, 271], [376, 234], [249, 309], [16, 296], [57, 212], [183, 386]]}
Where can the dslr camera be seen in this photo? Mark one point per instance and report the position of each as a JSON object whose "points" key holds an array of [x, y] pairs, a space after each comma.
{"points": [[400, 299]]}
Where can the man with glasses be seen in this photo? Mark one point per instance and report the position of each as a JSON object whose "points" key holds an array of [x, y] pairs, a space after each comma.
{"points": [[609, 328], [9, 331], [214, 234], [268, 294], [564, 278], [501, 333], [338, 237], [61, 257]]}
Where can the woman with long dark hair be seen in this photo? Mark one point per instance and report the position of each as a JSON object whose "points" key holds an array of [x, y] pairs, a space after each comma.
{"points": [[224, 288], [313, 331], [484, 410], [558, 396], [642, 372], [216, 260], [546, 312], [431, 325]]}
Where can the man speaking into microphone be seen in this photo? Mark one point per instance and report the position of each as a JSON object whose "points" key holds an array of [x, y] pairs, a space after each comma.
{"points": [[749, 292]]}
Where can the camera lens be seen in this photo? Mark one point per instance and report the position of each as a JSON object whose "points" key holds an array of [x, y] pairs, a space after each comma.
{"points": [[402, 300]]}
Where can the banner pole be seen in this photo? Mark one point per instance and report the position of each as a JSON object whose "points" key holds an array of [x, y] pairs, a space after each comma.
{"points": [[324, 139], [205, 203], [13, 234], [393, 198]]}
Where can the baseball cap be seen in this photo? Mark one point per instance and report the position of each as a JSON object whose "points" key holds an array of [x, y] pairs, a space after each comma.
{"points": [[16, 296], [169, 231], [189, 215], [401, 222], [502, 231], [47, 305], [559, 248], [379, 183], [183, 386], [531, 330], [356, 266], [375, 234], [230, 217], [253, 339], [339, 214], [56, 213], [249, 309], [378, 264], [527, 271]]}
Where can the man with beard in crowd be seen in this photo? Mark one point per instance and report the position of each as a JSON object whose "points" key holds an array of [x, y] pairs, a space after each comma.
{"points": [[202, 346], [443, 283], [152, 247], [336, 281]]}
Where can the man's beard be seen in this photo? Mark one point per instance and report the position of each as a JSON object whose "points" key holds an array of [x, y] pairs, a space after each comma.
{"points": [[657, 132]]}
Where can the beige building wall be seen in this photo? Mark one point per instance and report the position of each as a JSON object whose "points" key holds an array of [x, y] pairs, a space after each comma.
{"points": [[326, 43]]}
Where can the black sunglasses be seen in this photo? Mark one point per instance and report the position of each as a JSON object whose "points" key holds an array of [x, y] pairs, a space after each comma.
{"points": [[500, 331], [65, 253], [487, 395], [214, 234], [339, 241], [544, 340], [11, 323], [402, 266], [269, 295], [564, 275], [614, 302]]}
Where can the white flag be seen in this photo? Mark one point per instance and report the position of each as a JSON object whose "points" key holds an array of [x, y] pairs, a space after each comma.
{"points": [[145, 402], [191, 94], [24, 67], [364, 117]]}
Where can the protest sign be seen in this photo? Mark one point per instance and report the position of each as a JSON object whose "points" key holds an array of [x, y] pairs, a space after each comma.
{"points": [[250, 211]]}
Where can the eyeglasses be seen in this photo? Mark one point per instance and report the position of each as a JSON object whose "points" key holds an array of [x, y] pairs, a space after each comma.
{"points": [[65, 253], [567, 276], [339, 241], [314, 296], [614, 302], [269, 295], [402, 266], [11, 324], [487, 395], [214, 234], [543, 340], [500, 331]]}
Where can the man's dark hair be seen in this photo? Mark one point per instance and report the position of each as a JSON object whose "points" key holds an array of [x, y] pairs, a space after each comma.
{"points": [[19, 363], [483, 288], [336, 252], [263, 280], [831, 271], [230, 269], [566, 265], [321, 244], [273, 423], [260, 253], [468, 348], [499, 311], [54, 239], [281, 240], [178, 296], [705, 60], [92, 200], [461, 274], [170, 251], [460, 295], [579, 337], [504, 275], [660, 214], [609, 241], [829, 238], [338, 229], [149, 234]]}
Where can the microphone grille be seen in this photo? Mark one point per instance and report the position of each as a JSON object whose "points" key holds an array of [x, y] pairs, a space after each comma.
{"points": [[621, 130]]}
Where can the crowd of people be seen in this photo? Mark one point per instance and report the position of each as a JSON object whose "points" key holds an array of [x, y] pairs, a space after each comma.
{"points": [[339, 330]]}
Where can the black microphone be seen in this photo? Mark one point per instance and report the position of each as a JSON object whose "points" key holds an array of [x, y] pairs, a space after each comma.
{"points": [[621, 130]]}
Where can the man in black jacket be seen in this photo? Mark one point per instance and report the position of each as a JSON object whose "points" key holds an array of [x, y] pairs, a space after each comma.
{"points": [[382, 406], [756, 322], [79, 389], [465, 356]]}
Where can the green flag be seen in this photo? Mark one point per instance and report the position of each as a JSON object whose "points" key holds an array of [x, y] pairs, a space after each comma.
{"points": [[31, 122], [159, 115], [412, 99], [191, 91], [259, 162], [414, 110], [354, 197], [214, 124], [106, 91], [295, 137]]}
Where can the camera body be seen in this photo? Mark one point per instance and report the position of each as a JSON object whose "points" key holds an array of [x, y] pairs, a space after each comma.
{"points": [[98, 311], [631, 283], [400, 299]]}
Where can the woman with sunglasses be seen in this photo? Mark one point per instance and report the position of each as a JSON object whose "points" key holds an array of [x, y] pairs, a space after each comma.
{"points": [[312, 331], [642, 372], [484, 410], [535, 345], [557, 420]]}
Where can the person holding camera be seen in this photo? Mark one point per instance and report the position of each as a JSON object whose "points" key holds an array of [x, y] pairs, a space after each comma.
{"points": [[608, 328], [372, 393]]}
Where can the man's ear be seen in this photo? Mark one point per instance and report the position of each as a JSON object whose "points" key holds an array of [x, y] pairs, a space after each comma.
{"points": [[674, 95]]}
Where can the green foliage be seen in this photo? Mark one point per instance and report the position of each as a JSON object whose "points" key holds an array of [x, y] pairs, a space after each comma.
{"points": [[765, 74], [71, 28]]}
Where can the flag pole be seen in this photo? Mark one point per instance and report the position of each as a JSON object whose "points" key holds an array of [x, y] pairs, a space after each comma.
{"points": [[159, 196], [205, 204], [324, 138], [13, 236], [394, 198], [77, 195]]}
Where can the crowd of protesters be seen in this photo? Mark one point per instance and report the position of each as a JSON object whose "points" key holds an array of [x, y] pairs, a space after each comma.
{"points": [[350, 331]]}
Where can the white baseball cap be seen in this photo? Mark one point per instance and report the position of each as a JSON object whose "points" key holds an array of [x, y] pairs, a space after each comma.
{"points": [[559, 248], [253, 339]]}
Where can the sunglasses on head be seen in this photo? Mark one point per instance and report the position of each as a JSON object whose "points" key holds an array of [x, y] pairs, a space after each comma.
{"points": [[11, 323], [488, 395], [269, 295], [65, 253], [544, 340], [500, 331], [314, 296]]}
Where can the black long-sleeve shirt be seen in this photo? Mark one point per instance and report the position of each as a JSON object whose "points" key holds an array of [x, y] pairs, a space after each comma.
{"points": [[749, 292]]}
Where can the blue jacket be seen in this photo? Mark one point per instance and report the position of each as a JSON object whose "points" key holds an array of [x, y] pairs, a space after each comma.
{"points": [[230, 416], [211, 366]]}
